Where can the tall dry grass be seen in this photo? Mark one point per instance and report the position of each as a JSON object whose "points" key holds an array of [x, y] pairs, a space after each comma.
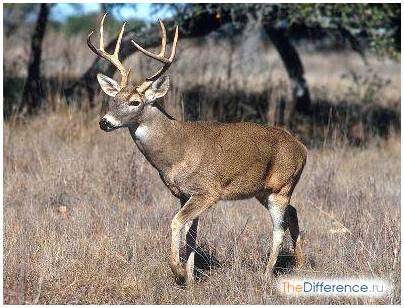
{"points": [[86, 220]]}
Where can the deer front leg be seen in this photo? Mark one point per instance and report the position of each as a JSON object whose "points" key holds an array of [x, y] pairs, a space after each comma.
{"points": [[184, 220], [191, 231]]}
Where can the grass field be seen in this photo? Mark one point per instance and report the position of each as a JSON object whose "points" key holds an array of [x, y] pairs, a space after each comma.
{"points": [[87, 219]]}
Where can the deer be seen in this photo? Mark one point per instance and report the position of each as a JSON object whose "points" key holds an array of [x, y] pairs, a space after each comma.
{"points": [[200, 162]]}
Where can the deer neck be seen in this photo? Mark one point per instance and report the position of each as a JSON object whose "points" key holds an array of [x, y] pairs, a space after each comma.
{"points": [[155, 136]]}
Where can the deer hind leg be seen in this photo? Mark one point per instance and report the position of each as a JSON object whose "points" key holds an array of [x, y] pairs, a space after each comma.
{"points": [[277, 205], [186, 220], [290, 221], [293, 223]]}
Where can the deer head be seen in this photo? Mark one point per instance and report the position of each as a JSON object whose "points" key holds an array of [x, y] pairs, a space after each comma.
{"points": [[128, 101]]}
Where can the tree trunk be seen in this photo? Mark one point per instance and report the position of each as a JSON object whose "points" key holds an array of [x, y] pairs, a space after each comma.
{"points": [[294, 68], [32, 94]]}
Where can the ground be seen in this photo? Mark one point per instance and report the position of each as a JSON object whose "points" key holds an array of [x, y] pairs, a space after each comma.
{"points": [[87, 220]]}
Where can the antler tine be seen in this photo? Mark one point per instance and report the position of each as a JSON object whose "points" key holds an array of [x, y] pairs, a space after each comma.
{"points": [[170, 59], [118, 42], [163, 39], [113, 58], [102, 32], [173, 50], [166, 66], [150, 54], [90, 45], [160, 57]]}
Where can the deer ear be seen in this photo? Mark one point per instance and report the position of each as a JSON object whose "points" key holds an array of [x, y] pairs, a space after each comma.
{"points": [[108, 85], [158, 89]]}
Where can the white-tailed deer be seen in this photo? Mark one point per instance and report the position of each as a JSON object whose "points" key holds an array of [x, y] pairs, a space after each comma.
{"points": [[204, 162]]}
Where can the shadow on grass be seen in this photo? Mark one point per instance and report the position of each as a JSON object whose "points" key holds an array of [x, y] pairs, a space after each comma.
{"points": [[357, 123], [205, 261], [286, 263], [325, 121], [13, 88]]}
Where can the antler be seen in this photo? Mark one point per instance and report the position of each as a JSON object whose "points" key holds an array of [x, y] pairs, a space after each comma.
{"points": [[160, 57], [113, 58]]}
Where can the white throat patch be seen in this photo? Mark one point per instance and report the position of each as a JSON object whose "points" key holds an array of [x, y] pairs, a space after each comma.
{"points": [[142, 132]]}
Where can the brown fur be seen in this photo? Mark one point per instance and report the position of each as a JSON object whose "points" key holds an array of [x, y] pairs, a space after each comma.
{"points": [[204, 162], [231, 161]]}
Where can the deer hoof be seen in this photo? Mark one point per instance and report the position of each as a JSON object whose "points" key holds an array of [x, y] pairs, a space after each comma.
{"points": [[180, 274]]}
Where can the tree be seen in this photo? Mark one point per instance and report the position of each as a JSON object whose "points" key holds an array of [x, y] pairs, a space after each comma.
{"points": [[374, 27], [362, 26], [32, 94]]}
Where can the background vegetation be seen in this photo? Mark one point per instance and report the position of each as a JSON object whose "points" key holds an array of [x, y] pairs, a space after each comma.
{"points": [[86, 219]]}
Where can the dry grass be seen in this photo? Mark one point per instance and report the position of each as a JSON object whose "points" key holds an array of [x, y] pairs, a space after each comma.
{"points": [[86, 220]]}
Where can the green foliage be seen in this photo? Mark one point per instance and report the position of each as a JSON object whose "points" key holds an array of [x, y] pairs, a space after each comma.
{"points": [[78, 24], [84, 23], [377, 26]]}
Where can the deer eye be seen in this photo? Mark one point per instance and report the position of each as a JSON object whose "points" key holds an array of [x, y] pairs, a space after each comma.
{"points": [[134, 103]]}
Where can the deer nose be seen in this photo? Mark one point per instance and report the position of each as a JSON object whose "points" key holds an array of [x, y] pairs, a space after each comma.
{"points": [[105, 125]]}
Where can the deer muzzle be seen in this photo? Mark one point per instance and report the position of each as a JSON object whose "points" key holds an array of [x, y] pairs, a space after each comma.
{"points": [[107, 126]]}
